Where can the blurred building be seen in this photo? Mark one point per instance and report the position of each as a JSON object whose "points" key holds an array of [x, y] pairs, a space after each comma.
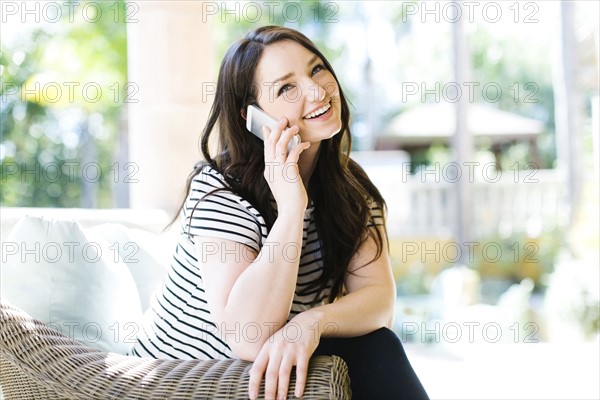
{"points": [[419, 127]]}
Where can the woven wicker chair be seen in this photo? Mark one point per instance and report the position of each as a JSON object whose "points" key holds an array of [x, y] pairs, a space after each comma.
{"points": [[37, 362]]}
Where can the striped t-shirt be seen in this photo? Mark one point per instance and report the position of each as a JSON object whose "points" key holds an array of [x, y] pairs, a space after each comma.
{"points": [[178, 323]]}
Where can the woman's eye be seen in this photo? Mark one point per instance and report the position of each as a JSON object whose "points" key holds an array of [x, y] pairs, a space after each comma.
{"points": [[318, 68], [284, 89]]}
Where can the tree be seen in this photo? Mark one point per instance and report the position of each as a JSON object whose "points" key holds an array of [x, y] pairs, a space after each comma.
{"points": [[63, 87]]}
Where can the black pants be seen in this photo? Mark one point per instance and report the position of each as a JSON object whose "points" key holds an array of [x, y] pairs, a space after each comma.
{"points": [[377, 364]]}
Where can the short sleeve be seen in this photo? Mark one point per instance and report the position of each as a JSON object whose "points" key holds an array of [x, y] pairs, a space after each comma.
{"points": [[377, 214], [212, 209]]}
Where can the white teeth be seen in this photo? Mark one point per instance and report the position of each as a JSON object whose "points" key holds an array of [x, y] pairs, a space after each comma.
{"points": [[320, 111]]}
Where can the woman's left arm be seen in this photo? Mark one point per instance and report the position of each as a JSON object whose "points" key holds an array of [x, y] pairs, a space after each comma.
{"points": [[370, 299], [368, 306]]}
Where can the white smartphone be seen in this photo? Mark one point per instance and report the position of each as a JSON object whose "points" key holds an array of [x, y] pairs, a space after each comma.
{"points": [[257, 118]]}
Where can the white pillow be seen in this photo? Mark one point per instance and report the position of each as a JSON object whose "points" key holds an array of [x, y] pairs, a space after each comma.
{"points": [[71, 280], [146, 255]]}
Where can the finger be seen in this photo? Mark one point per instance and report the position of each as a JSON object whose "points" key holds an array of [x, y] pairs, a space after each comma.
{"points": [[301, 372], [286, 136], [271, 376], [266, 132], [256, 374], [278, 130], [285, 371], [269, 147], [294, 154]]}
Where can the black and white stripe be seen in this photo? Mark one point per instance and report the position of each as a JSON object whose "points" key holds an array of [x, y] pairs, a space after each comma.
{"points": [[178, 323]]}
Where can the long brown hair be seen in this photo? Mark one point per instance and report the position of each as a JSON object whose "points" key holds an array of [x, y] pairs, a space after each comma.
{"points": [[339, 187]]}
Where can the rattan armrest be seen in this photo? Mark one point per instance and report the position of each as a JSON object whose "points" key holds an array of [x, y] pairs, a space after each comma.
{"points": [[37, 362]]}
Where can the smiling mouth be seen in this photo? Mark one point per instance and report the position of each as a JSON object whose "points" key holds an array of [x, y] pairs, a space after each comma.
{"points": [[318, 112]]}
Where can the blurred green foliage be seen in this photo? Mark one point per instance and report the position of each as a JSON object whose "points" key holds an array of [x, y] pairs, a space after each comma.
{"points": [[62, 91], [517, 256], [524, 72], [59, 138], [520, 69], [39, 137]]}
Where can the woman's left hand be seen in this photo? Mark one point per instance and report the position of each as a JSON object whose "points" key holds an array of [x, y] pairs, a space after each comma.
{"points": [[292, 345]]}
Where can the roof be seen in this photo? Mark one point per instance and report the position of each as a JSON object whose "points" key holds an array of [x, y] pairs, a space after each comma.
{"points": [[436, 121]]}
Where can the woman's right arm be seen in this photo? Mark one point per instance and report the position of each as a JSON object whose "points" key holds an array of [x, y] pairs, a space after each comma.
{"points": [[250, 295]]}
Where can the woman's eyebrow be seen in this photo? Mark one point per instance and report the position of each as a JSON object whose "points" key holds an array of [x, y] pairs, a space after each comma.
{"points": [[312, 60], [288, 75]]}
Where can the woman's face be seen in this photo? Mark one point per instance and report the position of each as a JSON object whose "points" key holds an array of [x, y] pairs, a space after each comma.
{"points": [[294, 83]]}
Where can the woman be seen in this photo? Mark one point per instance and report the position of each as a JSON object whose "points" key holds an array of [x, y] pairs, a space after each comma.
{"points": [[283, 254]]}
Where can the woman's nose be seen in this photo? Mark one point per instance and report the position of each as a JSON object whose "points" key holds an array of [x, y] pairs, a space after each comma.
{"points": [[316, 93]]}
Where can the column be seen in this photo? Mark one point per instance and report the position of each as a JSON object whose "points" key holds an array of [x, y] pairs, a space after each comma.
{"points": [[170, 62]]}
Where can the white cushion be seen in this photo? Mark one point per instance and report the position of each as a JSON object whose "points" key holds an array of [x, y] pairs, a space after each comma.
{"points": [[146, 255], [71, 280]]}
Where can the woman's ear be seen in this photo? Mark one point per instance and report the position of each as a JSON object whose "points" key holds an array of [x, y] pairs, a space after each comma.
{"points": [[243, 113]]}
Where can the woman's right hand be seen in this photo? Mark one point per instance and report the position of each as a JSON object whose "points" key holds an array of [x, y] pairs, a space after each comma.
{"points": [[281, 167]]}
